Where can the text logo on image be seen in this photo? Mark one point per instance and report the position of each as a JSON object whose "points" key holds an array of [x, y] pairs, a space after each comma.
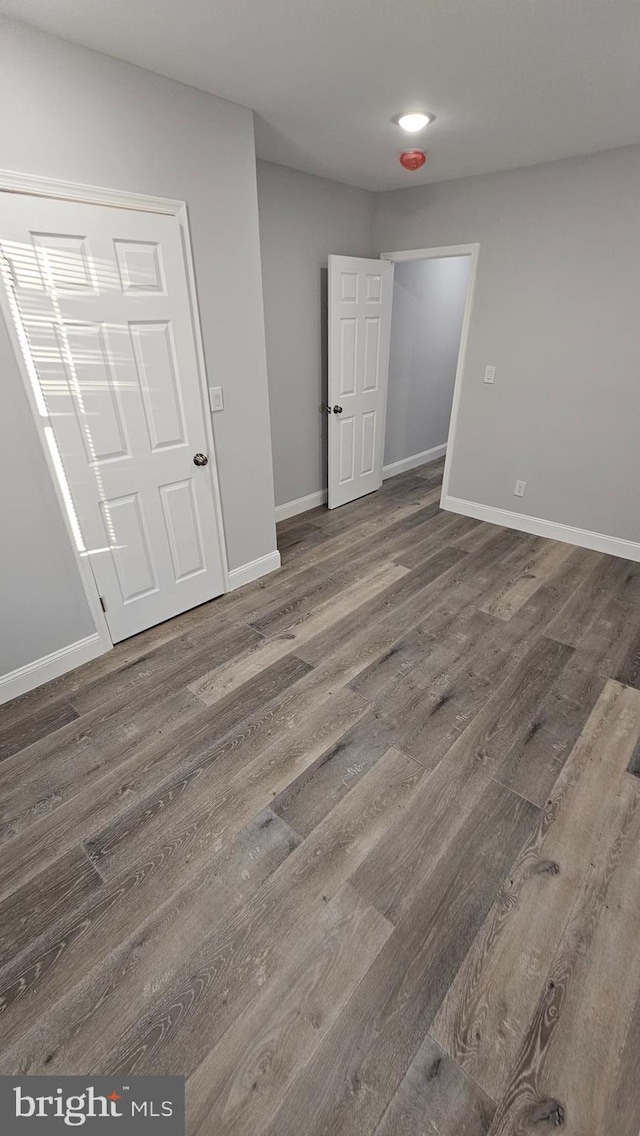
{"points": [[132, 1105]]}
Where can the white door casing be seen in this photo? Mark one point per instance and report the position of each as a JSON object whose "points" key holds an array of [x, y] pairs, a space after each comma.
{"points": [[360, 299], [100, 300]]}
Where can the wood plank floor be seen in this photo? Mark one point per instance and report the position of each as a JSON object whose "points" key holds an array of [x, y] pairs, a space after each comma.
{"points": [[356, 849]]}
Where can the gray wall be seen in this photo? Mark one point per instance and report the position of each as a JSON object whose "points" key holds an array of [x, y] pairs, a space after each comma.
{"points": [[428, 309], [302, 220], [74, 114], [556, 311]]}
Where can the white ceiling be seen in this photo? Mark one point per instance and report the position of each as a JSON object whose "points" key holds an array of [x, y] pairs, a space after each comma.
{"points": [[512, 82]]}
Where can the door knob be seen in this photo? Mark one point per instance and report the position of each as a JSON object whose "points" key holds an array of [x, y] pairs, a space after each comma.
{"points": [[200, 459], [337, 409]]}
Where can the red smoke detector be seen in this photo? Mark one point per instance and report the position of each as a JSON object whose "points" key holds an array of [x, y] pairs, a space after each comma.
{"points": [[413, 159]]}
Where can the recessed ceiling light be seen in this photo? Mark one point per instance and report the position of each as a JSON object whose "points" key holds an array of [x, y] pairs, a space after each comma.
{"points": [[414, 122]]}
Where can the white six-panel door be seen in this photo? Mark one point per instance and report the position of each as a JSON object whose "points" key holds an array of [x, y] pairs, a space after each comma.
{"points": [[360, 298], [100, 299]]}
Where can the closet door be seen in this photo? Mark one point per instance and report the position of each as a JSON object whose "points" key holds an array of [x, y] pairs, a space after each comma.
{"points": [[100, 299]]}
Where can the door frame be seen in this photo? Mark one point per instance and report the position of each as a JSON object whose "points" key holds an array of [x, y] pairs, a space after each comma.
{"points": [[473, 251], [33, 185]]}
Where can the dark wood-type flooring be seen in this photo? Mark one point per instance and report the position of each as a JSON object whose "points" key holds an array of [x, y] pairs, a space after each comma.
{"points": [[356, 849]]}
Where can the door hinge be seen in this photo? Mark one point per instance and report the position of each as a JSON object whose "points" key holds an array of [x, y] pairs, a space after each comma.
{"points": [[102, 603]]}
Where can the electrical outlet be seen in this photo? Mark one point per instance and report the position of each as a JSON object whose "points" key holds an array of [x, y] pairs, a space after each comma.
{"points": [[215, 398], [520, 488], [489, 375]]}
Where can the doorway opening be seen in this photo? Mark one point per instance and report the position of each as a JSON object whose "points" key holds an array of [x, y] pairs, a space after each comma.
{"points": [[432, 297], [396, 358]]}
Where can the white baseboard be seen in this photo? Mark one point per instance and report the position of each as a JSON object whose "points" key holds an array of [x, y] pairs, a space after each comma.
{"points": [[253, 570], [51, 666], [584, 538], [301, 505], [312, 500], [417, 459]]}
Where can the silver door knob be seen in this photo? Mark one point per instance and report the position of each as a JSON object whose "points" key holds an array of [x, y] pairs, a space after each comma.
{"points": [[337, 409], [200, 459]]}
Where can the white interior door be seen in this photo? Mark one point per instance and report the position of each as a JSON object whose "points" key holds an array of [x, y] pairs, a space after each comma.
{"points": [[360, 298], [100, 300]]}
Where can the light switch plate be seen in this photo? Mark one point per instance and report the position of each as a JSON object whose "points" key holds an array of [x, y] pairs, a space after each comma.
{"points": [[216, 400], [489, 375]]}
